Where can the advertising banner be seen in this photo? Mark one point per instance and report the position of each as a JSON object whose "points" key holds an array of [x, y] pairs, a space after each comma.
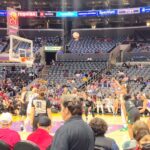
{"points": [[25, 14], [67, 14], [12, 21], [128, 11], [87, 13]]}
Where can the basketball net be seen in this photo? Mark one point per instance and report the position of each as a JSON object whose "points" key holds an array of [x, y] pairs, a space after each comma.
{"points": [[25, 60]]}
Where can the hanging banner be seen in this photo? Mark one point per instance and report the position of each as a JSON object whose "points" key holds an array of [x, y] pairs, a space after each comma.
{"points": [[12, 21]]}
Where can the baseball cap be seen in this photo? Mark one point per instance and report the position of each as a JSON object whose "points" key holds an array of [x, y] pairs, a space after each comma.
{"points": [[129, 145], [6, 118], [44, 121]]}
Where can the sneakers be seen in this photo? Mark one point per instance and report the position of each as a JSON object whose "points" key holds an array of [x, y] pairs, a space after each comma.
{"points": [[124, 129], [22, 128]]}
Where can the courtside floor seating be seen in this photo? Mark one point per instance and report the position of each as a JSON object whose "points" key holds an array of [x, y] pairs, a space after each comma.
{"points": [[26, 145], [4, 146]]}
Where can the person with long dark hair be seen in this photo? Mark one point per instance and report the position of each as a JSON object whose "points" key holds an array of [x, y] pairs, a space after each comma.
{"points": [[141, 134]]}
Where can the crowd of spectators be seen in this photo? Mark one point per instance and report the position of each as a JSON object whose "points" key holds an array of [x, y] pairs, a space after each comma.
{"points": [[99, 96], [62, 92], [101, 92], [12, 81], [75, 133]]}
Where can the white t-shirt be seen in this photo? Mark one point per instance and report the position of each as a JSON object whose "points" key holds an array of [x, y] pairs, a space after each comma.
{"points": [[32, 96]]}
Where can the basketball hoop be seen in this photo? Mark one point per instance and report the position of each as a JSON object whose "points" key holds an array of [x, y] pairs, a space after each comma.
{"points": [[23, 59], [28, 62], [22, 55]]}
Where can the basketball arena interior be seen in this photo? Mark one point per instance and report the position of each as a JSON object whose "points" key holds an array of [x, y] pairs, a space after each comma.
{"points": [[74, 74]]}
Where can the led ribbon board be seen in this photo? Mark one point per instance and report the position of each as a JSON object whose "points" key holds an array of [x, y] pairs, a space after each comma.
{"points": [[3, 13], [88, 13], [67, 14], [145, 9]]}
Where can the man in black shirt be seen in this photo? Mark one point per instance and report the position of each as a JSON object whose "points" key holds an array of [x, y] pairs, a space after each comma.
{"points": [[40, 107], [75, 134]]}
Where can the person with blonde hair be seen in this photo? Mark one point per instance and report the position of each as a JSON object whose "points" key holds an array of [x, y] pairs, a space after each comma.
{"points": [[140, 130], [144, 143], [139, 125]]}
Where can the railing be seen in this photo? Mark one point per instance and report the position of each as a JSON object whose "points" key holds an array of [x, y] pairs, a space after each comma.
{"points": [[109, 32], [136, 56], [32, 33], [94, 78], [83, 57], [12, 64]]}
